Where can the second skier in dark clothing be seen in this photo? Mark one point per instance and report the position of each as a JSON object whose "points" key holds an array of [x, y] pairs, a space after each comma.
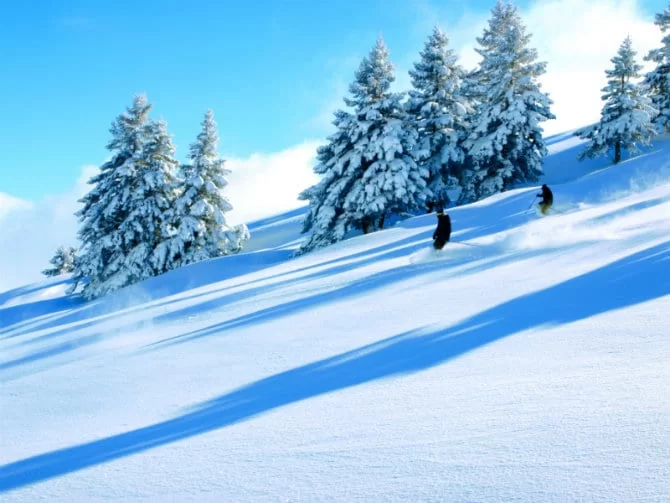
{"points": [[443, 232], [547, 199]]}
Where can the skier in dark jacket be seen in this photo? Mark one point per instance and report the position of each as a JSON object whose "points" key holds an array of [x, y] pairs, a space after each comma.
{"points": [[547, 199], [443, 232]]}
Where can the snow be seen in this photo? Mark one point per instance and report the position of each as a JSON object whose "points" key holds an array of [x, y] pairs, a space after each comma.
{"points": [[528, 362]]}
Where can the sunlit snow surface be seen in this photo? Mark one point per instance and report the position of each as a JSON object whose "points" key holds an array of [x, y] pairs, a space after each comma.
{"points": [[529, 361]]}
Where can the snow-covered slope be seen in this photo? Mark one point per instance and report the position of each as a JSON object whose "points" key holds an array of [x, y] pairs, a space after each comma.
{"points": [[527, 362]]}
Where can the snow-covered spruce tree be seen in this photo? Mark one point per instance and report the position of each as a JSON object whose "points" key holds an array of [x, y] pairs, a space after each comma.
{"points": [[505, 143], [198, 219], [63, 261], [438, 111], [335, 165], [122, 215], [626, 118], [367, 169], [658, 80], [106, 205], [154, 194]]}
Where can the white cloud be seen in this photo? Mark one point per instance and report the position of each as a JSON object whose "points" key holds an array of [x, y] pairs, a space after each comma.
{"points": [[9, 204], [31, 232], [266, 184], [577, 57]]}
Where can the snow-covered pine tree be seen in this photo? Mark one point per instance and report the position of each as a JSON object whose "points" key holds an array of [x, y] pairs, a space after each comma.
{"points": [[438, 111], [367, 169], [106, 205], [153, 196], [199, 229], [63, 261], [626, 118], [658, 80], [505, 143], [122, 215], [336, 164]]}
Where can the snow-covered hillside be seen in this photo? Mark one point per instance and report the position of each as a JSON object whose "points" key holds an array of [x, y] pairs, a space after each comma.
{"points": [[527, 362]]}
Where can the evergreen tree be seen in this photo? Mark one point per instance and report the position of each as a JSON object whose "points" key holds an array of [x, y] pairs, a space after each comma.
{"points": [[106, 205], [367, 170], [505, 142], [153, 196], [198, 222], [337, 163], [63, 262], [626, 117], [438, 111], [122, 216], [658, 80]]}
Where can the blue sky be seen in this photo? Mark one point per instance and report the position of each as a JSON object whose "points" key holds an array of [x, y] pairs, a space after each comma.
{"points": [[272, 71]]}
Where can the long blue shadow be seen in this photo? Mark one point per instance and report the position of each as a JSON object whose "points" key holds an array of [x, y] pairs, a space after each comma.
{"points": [[364, 285], [638, 278], [28, 289], [46, 353], [404, 246], [407, 246], [192, 276], [358, 287], [25, 312]]}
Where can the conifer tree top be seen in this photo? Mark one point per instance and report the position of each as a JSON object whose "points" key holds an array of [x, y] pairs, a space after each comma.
{"points": [[503, 16], [437, 64], [126, 128], [504, 44], [207, 141], [624, 63], [373, 78]]}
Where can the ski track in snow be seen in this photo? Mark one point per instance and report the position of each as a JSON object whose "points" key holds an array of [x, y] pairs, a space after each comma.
{"points": [[527, 361]]}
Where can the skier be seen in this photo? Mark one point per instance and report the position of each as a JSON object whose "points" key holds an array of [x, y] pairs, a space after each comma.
{"points": [[443, 232], [547, 199]]}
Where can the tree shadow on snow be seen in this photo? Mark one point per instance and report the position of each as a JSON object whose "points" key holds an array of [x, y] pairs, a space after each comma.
{"points": [[73, 308], [356, 287], [20, 367], [100, 312], [635, 279], [28, 318]]}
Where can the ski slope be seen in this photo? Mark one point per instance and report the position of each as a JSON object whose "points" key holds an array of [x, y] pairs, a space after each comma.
{"points": [[527, 362]]}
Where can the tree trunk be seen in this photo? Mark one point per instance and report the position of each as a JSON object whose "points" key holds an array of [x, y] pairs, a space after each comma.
{"points": [[617, 151], [430, 206], [381, 221], [365, 225]]}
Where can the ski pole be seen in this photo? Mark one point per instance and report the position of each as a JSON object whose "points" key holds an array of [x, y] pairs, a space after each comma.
{"points": [[533, 202], [468, 244]]}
